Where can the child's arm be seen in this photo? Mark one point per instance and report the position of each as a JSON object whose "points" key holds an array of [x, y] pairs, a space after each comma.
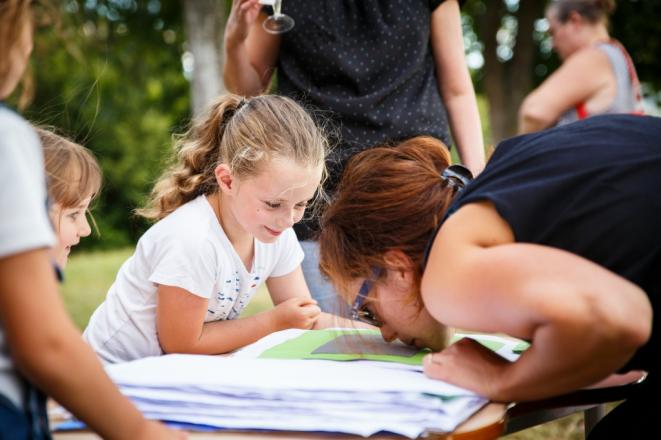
{"points": [[293, 285], [181, 327], [49, 351]]}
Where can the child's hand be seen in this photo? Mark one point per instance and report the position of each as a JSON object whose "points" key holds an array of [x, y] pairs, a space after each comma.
{"points": [[296, 313]]}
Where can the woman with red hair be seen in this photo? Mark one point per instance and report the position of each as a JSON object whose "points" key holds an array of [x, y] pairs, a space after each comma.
{"points": [[556, 242]]}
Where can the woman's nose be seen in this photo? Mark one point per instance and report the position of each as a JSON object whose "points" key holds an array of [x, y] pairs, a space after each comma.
{"points": [[387, 333]]}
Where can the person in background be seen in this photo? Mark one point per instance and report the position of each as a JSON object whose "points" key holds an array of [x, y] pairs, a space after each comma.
{"points": [[384, 71], [40, 347], [73, 179], [597, 74], [556, 242]]}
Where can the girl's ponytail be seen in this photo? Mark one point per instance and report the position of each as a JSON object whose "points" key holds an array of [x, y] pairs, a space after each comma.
{"points": [[197, 153]]}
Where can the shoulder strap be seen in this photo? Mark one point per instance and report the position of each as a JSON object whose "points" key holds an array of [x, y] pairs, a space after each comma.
{"points": [[633, 76], [581, 111]]}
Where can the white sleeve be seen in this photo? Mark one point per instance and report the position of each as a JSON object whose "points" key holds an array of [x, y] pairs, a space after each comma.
{"points": [[290, 254], [24, 223], [189, 264]]}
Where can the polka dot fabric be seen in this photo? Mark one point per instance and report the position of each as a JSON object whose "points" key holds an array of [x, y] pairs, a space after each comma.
{"points": [[370, 63]]}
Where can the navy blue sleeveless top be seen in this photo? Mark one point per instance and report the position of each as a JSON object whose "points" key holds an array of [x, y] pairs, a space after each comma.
{"points": [[593, 188], [370, 63]]}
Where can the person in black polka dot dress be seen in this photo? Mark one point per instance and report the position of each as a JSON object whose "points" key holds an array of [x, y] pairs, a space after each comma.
{"points": [[381, 70]]}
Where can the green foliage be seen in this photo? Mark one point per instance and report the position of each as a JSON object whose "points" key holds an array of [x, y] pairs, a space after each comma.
{"points": [[636, 24], [109, 75]]}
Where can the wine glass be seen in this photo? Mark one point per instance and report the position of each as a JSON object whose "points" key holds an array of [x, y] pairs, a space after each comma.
{"points": [[278, 23]]}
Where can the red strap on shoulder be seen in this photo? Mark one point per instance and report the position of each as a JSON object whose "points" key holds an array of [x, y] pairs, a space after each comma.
{"points": [[633, 76], [581, 111]]}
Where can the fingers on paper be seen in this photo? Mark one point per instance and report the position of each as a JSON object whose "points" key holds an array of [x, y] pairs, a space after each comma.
{"points": [[433, 366]]}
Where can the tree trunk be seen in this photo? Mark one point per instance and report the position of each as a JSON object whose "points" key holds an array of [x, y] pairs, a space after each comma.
{"points": [[521, 66], [507, 83], [204, 21]]}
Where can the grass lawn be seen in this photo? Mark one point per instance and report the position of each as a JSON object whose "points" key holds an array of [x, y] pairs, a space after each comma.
{"points": [[89, 275]]}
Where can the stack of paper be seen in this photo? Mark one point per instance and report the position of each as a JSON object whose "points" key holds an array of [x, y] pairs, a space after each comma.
{"points": [[292, 381], [241, 393]]}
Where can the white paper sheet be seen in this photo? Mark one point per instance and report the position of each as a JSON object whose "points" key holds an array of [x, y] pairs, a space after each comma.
{"points": [[248, 393]]}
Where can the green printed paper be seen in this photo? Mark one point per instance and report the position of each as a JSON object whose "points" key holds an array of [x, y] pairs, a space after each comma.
{"points": [[521, 347], [349, 345], [352, 345]]}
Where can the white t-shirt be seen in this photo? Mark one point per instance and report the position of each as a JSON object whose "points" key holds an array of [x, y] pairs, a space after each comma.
{"points": [[186, 249], [24, 223]]}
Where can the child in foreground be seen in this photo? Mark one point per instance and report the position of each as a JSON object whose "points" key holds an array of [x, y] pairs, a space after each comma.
{"points": [[40, 348], [244, 175]]}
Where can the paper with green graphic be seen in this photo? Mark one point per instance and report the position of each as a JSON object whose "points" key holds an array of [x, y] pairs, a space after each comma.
{"points": [[356, 344]]}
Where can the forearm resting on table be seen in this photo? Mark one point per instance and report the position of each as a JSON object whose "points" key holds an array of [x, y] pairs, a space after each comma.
{"points": [[564, 357], [218, 337], [584, 321]]}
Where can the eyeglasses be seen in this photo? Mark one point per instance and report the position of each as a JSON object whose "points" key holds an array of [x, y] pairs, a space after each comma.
{"points": [[457, 176], [359, 311]]}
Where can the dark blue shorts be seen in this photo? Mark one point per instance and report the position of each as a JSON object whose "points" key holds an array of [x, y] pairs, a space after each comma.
{"points": [[28, 424]]}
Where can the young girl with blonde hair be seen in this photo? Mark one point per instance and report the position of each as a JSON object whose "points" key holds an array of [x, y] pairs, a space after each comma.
{"points": [[244, 175]]}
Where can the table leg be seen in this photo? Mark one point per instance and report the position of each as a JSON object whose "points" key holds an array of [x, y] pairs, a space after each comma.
{"points": [[591, 417]]}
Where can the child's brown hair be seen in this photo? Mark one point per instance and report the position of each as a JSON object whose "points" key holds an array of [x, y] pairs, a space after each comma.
{"points": [[72, 171]]}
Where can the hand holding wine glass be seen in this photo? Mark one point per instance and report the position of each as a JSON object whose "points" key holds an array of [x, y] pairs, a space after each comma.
{"points": [[278, 23], [242, 15]]}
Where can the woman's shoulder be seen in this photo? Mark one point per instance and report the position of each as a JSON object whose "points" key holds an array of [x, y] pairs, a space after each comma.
{"points": [[587, 61]]}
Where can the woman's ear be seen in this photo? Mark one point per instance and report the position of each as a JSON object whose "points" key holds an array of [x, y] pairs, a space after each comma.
{"points": [[401, 266], [224, 178], [575, 18]]}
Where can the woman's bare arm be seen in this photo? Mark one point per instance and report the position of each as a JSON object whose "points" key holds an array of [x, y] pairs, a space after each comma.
{"points": [[580, 77], [455, 84], [250, 52], [584, 321]]}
